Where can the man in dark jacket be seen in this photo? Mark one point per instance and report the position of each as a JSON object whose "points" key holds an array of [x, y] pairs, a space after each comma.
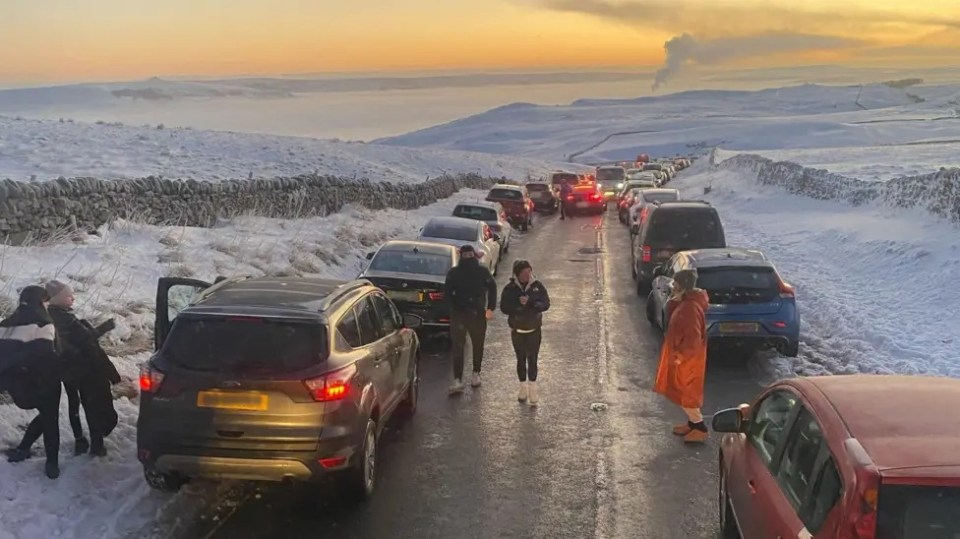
{"points": [[87, 372], [524, 300], [471, 293], [29, 371], [565, 191]]}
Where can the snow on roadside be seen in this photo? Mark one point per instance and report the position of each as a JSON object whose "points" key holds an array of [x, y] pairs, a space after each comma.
{"points": [[876, 285], [41, 150], [115, 274]]}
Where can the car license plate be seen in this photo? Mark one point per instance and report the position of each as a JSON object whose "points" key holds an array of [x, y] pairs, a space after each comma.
{"points": [[233, 400], [582, 204], [739, 327], [405, 295]]}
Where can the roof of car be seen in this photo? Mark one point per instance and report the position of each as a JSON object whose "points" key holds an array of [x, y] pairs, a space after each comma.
{"points": [[661, 191], [453, 221], [418, 246], [684, 205], [727, 256], [895, 417], [480, 204], [270, 292], [585, 187], [506, 186], [608, 167]]}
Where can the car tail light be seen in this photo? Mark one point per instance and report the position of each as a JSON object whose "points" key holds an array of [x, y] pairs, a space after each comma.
{"points": [[435, 296], [643, 214], [570, 198], [862, 519], [150, 379], [333, 386], [786, 291], [595, 197], [645, 254]]}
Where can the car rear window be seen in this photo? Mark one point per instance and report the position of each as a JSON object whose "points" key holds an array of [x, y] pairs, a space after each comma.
{"points": [[449, 232], [660, 197], [564, 177], [410, 262], [245, 345], [908, 511], [539, 187], [738, 284], [685, 229], [505, 194], [475, 212]]}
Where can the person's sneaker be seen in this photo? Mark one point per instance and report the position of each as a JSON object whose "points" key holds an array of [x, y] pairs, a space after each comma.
{"points": [[52, 470], [533, 397], [698, 434], [475, 381], [16, 454], [682, 429], [456, 388], [81, 446], [522, 394]]}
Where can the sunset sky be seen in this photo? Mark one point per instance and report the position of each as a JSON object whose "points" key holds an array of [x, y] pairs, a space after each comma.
{"points": [[92, 40]]}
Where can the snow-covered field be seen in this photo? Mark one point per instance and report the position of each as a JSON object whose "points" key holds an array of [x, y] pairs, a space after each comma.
{"points": [[40, 150], [115, 274]]}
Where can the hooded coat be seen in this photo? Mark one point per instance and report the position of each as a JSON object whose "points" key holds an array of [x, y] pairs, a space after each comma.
{"points": [[683, 357], [29, 364]]}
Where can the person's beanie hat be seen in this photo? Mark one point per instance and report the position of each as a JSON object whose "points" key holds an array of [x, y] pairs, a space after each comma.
{"points": [[467, 249], [57, 288], [687, 279], [520, 265]]}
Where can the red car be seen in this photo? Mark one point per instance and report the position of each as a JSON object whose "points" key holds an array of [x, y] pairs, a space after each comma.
{"points": [[845, 457], [516, 203], [585, 198]]}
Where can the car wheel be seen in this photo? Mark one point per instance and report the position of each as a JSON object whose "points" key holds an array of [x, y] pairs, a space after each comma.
{"points": [[728, 524], [409, 404], [792, 349], [361, 480], [651, 311], [643, 287], [165, 482]]}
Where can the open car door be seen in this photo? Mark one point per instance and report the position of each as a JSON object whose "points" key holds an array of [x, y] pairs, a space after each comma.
{"points": [[174, 294]]}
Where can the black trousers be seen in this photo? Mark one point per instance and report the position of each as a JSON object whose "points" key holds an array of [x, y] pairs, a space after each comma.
{"points": [[563, 209], [527, 347], [46, 424], [461, 325], [96, 399], [73, 409]]}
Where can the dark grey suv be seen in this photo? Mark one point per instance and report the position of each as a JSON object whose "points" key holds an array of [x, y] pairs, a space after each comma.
{"points": [[273, 379]]}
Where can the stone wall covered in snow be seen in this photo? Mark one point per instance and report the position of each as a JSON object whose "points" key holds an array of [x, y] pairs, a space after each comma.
{"points": [[937, 193], [87, 203]]}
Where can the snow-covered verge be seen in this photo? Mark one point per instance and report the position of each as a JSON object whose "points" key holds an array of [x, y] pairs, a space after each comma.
{"points": [[115, 274], [876, 282], [41, 150]]}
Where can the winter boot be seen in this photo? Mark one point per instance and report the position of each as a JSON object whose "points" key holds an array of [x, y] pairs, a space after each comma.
{"points": [[534, 395], [97, 449], [52, 469], [475, 381], [522, 394], [81, 446], [698, 434], [456, 388], [16, 454]]}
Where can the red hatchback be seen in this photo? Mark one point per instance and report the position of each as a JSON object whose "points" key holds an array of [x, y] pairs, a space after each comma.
{"points": [[846, 457]]}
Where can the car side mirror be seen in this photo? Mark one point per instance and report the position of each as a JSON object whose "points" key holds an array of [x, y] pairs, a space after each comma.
{"points": [[634, 229], [729, 420], [370, 255], [411, 321], [496, 237]]}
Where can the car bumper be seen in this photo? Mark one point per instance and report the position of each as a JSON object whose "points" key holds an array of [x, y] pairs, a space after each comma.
{"points": [[764, 337], [430, 316]]}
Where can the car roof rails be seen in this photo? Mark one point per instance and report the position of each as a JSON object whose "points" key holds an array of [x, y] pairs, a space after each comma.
{"points": [[342, 290], [218, 283]]}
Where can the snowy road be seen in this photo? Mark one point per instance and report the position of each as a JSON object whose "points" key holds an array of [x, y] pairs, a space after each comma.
{"points": [[483, 466]]}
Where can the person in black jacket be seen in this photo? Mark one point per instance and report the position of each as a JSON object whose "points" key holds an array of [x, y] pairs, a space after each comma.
{"points": [[29, 371], [87, 372], [524, 300], [471, 293]]}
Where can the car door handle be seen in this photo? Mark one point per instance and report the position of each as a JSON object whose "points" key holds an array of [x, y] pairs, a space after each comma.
{"points": [[752, 486]]}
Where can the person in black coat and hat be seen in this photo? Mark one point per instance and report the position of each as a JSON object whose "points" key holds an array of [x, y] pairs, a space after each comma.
{"points": [[524, 300], [30, 372], [471, 292], [87, 371]]}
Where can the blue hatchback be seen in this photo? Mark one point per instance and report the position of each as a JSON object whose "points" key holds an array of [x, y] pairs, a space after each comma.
{"points": [[750, 304]]}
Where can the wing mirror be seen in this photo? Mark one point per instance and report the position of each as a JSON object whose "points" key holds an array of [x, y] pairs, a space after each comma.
{"points": [[496, 237], [731, 419], [370, 255], [634, 229], [658, 271], [412, 321]]}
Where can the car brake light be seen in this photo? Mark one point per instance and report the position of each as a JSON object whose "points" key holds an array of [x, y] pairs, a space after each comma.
{"points": [[863, 514], [645, 254], [332, 386], [570, 198], [435, 296], [786, 291], [595, 197], [150, 379]]}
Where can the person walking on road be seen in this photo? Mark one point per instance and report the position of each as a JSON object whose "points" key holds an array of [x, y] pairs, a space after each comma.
{"points": [[30, 372], [683, 358], [524, 300], [471, 293], [565, 191], [87, 372]]}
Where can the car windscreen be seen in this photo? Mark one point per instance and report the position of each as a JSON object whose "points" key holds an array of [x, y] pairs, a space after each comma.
{"points": [[475, 212], [449, 232], [669, 196], [411, 262], [908, 511], [685, 229], [736, 285], [607, 175], [245, 345], [505, 194]]}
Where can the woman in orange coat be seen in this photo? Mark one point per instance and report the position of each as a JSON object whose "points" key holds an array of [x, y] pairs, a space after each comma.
{"points": [[683, 358]]}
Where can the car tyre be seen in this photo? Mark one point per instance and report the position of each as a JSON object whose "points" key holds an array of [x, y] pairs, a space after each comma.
{"points": [[792, 349], [164, 482], [643, 287], [728, 524], [360, 481], [409, 405], [651, 311]]}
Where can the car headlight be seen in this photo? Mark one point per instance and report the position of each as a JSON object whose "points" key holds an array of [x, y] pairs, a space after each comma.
{"points": [[620, 185]]}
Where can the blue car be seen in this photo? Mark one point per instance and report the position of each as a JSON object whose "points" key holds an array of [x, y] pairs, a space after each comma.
{"points": [[750, 304]]}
